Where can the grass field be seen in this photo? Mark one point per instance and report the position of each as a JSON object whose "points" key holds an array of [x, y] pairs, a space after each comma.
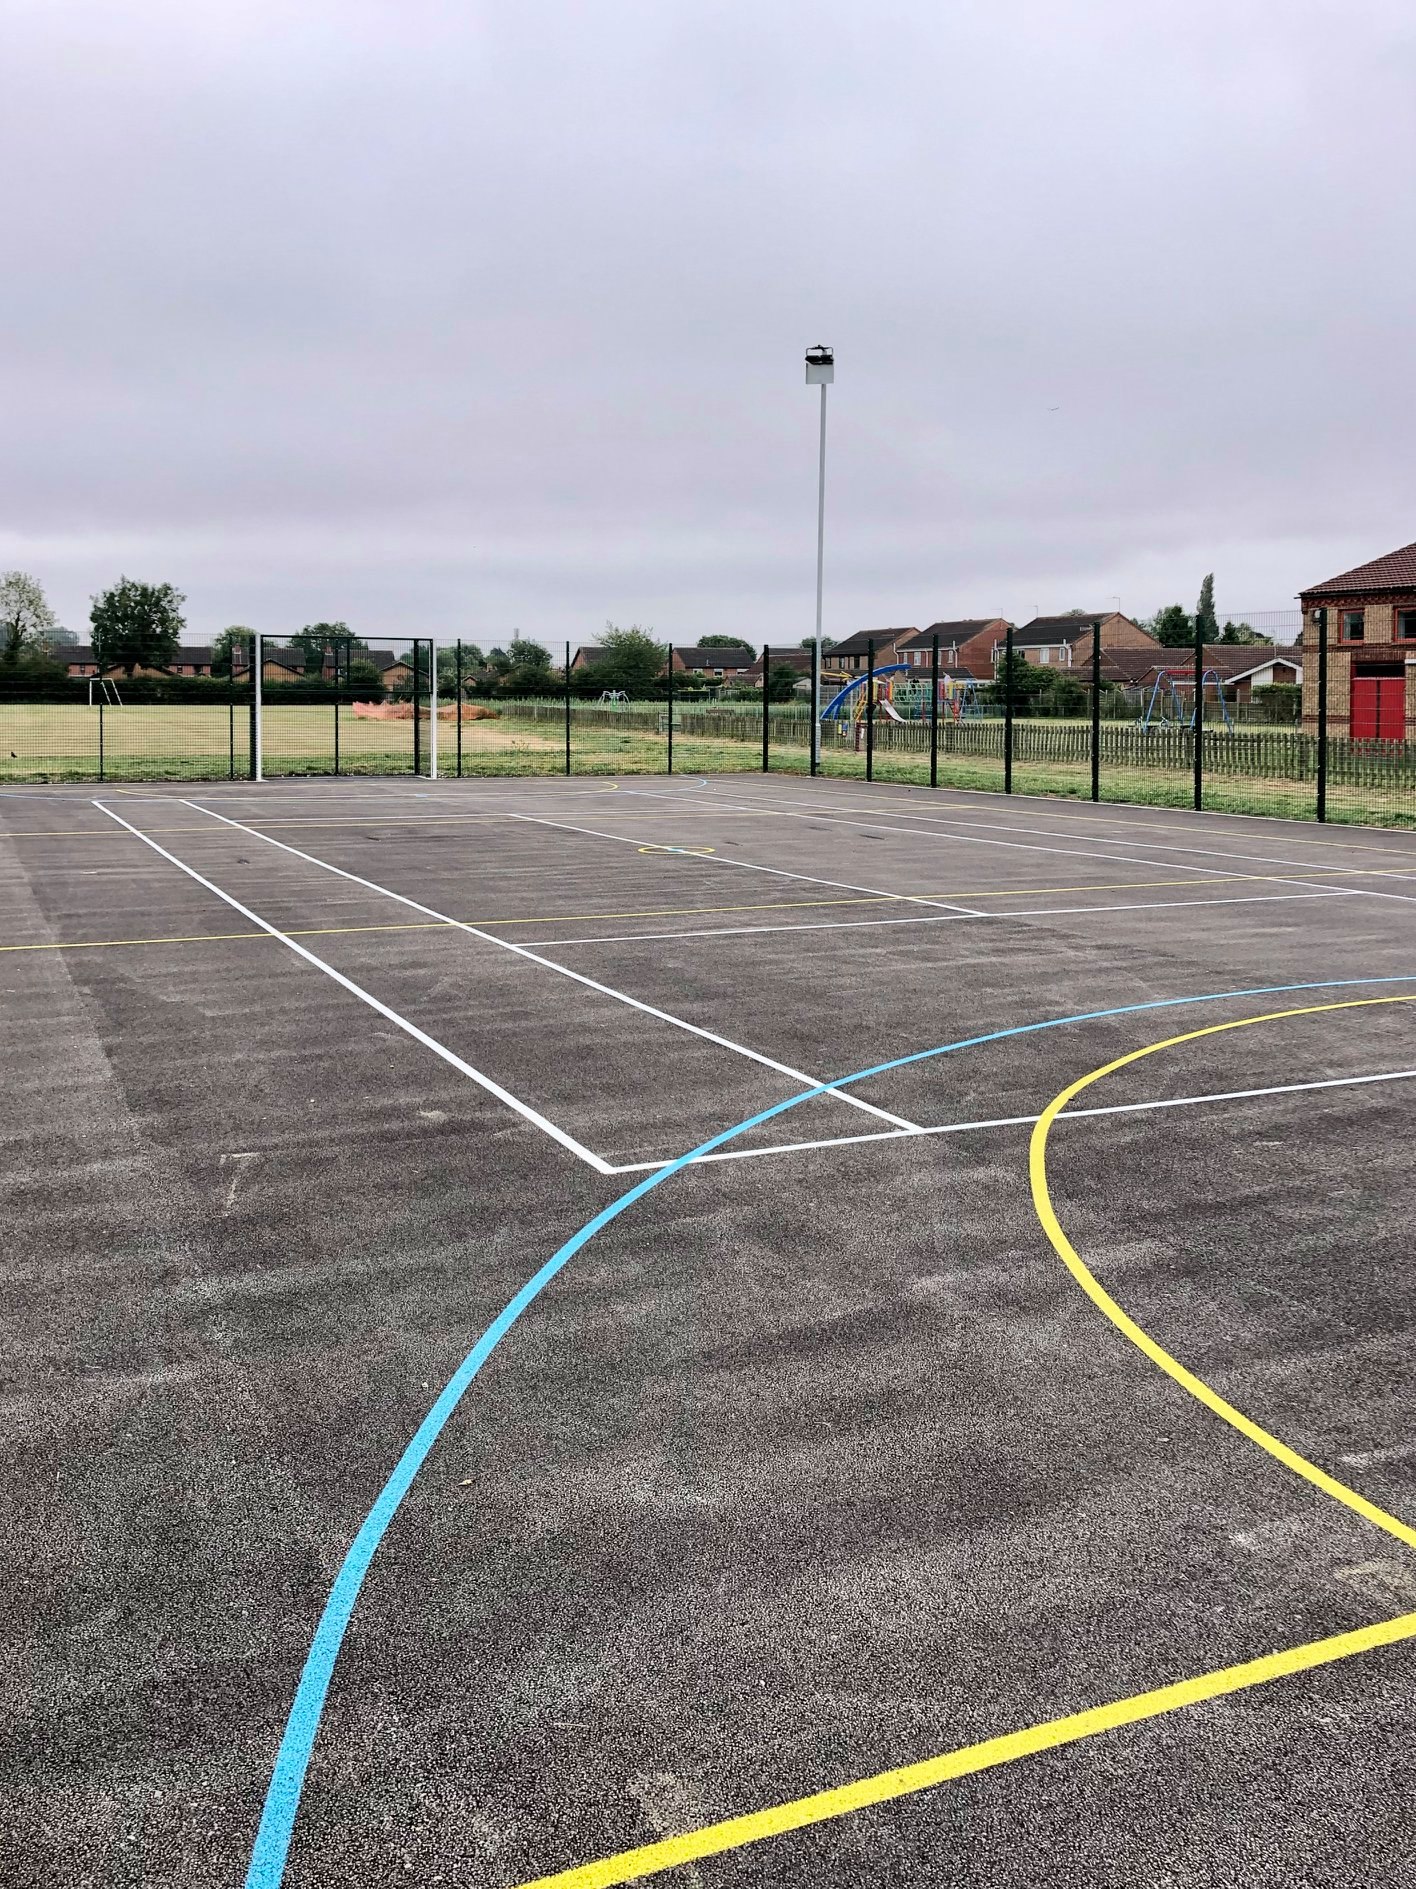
{"points": [[60, 741]]}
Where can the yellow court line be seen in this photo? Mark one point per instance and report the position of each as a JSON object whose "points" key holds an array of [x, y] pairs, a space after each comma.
{"points": [[665, 911], [735, 1832], [842, 1800], [1102, 1299]]}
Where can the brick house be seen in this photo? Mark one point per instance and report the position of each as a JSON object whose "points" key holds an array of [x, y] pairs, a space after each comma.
{"points": [[1371, 633], [720, 662], [192, 659], [953, 639], [848, 658], [1053, 642]]}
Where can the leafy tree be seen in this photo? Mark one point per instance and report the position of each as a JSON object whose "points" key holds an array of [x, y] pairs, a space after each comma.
{"points": [[781, 682], [1172, 626], [136, 625], [473, 659], [528, 668], [630, 660], [717, 641], [1242, 633], [827, 642], [235, 636], [316, 638], [1024, 677], [364, 674], [27, 624], [1206, 622]]}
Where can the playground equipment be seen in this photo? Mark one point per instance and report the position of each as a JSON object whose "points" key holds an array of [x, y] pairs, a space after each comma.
{"points": [[902, 694], [1165, 706]]}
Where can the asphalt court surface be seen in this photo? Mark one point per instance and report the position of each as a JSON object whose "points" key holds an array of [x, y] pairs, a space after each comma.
{"points": [[818, 1461]]}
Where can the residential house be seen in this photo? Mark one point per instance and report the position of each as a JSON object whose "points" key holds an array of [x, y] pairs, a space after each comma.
{"points": [[851, 657], [192, 659], [953, 636], [720, 662], [1053, 642], [1371, 635]]}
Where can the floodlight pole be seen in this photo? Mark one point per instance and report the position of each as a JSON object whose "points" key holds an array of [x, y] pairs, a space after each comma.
{"points": [[820, 371]]}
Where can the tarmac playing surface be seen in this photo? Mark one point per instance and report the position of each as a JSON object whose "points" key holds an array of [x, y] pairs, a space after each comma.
{"points": [[831, 1454]]}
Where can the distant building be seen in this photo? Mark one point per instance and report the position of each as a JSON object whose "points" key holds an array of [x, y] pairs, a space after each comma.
{"points": [[851, 656], [1371, 633], [1053, 642], [192, 659]]}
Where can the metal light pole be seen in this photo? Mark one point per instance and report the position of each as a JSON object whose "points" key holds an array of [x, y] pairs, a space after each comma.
{"points": [[820, 372]]}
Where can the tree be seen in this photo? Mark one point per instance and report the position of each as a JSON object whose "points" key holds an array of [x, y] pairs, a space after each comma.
{"points": [[472, 660], [827, 642], [717, 641], [528, 668], [1026, 678], [1242, 633], [630, 660], [781, 682], [136, 625], [235, 636], [1171, 626], [1206, 622], [317, 638], [27, 624]]}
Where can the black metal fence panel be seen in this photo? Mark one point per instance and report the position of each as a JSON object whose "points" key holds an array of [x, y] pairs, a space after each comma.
{"points": [[901, 710]]}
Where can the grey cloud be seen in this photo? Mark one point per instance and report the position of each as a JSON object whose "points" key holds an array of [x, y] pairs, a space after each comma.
{"points": [[438, 316]]}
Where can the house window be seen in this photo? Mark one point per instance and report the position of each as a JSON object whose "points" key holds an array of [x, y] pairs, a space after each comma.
{"points": [[1353, 626], [1406, 626], [1044, 655]]}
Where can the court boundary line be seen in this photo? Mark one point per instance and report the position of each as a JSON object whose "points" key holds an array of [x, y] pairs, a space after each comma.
{"points": [[523, 951], [270, 1849], [1027, 1121], [409, 1028]]}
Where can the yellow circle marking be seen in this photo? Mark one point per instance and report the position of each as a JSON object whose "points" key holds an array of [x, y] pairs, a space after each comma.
{"points": [[1102, 1299]]}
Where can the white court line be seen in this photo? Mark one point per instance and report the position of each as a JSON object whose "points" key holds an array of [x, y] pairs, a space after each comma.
{"points": [[534, 957], [410, 1029], [945, 827], [951, 832], [744, 865], [1026, 1121], [957, 918]]}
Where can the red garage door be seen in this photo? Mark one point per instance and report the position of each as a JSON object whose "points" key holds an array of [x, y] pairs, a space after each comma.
{"points": [[1379, 708]]}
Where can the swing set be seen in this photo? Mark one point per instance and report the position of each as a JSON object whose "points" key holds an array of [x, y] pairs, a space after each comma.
{"points": [[1166, 706]]}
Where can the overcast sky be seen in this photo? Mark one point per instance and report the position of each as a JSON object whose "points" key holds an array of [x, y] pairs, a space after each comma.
{"points": [[439, 316]]}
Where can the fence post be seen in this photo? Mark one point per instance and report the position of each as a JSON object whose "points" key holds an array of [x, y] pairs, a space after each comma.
{"points": [[669, 677], [870, 708], [335, 650], [417, 733], [766, 726], [100, 732], [1096, 711], [257, 706], [1320, 625], [1008, 710], [432, 708], [457, 676], [565, 676], [1197, 719], [934, 711], [815, 743], [231, 718]]}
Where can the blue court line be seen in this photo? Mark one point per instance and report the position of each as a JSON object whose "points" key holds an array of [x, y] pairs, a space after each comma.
{"points": [[282, 1801]]}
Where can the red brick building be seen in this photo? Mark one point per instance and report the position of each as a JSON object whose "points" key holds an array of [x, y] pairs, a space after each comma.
{"points": [[1052, 642], [1371, 634]]}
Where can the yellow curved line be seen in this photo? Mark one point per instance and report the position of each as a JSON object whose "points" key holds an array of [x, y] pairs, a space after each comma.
{"points": [[1127, 1326]]}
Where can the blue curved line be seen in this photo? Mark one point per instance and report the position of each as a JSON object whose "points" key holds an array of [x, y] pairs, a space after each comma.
{"points": [[282, 1802]]}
